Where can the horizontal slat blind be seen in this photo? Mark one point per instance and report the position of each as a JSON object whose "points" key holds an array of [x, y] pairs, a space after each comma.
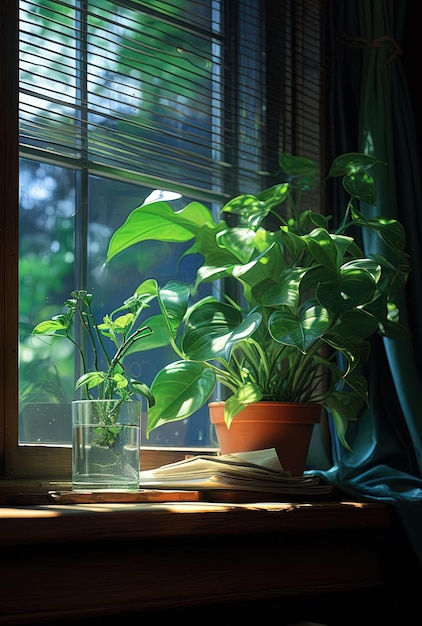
{"points": [[129, 89], [251, 117], [296, 106], [302, 124]]}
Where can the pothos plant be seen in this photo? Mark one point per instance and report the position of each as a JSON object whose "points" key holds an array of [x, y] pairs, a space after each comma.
{"points": [[106, 344], [309, 298]]}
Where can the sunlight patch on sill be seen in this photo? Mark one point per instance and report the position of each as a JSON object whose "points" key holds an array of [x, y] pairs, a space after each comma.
{"points": [[32, 512]]}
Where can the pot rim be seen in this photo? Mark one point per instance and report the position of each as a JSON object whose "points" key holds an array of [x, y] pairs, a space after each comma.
{"points": [[304, 413]]}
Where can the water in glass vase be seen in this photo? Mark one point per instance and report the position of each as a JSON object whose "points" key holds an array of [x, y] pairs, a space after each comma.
{"points": [[105, 444]]}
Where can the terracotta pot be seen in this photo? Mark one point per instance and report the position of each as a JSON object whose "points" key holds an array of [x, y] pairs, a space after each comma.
{"points": [[285, 426]]}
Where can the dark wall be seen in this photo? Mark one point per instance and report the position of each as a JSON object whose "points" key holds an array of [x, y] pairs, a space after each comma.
{"points": [[410, 59]]}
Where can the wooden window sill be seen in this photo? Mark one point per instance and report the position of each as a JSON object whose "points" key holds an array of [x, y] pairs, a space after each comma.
{"points": [[84, 560]]}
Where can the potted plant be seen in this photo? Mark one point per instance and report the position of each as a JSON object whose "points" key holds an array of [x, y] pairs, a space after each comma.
{"points": [[309, 301], [106, 421]]}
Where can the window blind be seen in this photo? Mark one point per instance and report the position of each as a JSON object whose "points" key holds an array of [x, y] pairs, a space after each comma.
{"points": [[138, 90], [302, 124], [122, 88], [193, 95], [296, 86]]}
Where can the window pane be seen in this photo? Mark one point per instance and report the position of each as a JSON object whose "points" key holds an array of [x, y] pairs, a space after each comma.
{"points": [[46, 275], [49, 269]]}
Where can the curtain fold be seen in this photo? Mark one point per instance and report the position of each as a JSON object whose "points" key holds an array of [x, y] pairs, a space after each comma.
{"points": [[372, 109]]}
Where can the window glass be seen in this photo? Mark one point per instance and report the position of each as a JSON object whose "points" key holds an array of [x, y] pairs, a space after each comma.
{"points": [[49, 265], [121, 100], [46, 277]]}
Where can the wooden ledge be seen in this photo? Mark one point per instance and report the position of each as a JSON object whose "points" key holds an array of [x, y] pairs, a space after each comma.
{"points": [[99, 521], [73, 561]]}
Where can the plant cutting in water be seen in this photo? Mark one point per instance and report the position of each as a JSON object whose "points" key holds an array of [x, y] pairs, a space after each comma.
{"points": [[108, 379]]}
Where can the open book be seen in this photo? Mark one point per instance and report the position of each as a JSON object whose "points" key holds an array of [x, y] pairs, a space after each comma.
{"points": [[259, 471]]}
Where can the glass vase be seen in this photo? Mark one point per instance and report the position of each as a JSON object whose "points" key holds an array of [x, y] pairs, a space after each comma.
{"points": [[105, 444]]}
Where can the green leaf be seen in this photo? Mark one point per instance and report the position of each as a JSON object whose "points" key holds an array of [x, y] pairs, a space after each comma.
{"points": [[322, 247], [281, 292], [213, 329], [253, 209], [239, 241], [206, 244], [147, 288], [91, 379], [247, 206], [121, 325], [273, 196], [361, 186], [119, 380], [243, 396], [51, 327], [293, 243], [267, 266], [354, 323], [300, 331], [180, 389], [207, 273], [158, 221], [301, 170], [355, 285], [351, 162], [173, 301], [359, 385], [309, 219], [389, 230], [344, 407]]}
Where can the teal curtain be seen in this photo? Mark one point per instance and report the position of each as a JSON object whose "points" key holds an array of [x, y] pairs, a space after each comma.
{"points": [[372, 112]]}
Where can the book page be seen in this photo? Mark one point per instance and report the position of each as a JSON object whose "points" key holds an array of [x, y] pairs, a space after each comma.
{"points": [[259, 470]]}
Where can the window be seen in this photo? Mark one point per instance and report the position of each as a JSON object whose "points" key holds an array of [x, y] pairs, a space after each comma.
{"points": [[117, 99]]}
